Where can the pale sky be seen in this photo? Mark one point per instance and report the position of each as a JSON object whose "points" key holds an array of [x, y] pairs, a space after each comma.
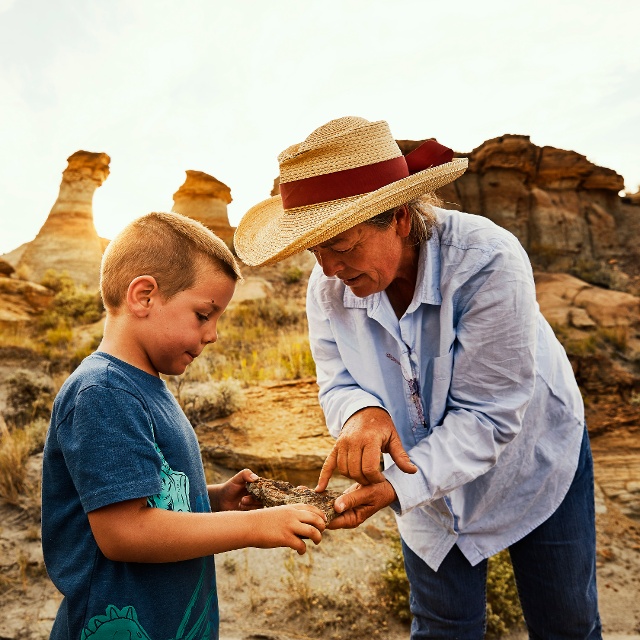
{"points": [[223, 87]]}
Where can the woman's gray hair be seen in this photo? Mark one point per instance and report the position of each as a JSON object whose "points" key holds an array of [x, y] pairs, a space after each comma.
{"points": [[422, 217]]}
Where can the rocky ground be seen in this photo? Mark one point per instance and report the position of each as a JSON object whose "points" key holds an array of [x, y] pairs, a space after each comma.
{"points": [[331, 592]]}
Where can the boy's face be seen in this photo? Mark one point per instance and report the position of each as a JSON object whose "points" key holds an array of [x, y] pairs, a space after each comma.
{"points": [[179, 329]]}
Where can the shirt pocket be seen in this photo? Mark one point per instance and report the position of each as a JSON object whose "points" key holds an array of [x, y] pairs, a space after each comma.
{"points": [[441, 373]]}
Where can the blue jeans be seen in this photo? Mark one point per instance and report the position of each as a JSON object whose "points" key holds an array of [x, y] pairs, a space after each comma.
{"points": [[554, 566]]}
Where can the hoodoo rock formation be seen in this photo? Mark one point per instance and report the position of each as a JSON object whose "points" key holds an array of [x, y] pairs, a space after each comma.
{"points": [[561, 206], [68, 240], [205, 199]]}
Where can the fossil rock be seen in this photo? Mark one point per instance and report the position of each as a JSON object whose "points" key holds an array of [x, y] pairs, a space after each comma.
{"points": [[273, 493]]}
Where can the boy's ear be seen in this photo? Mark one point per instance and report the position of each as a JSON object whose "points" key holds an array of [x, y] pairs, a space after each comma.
{"points": [[141, 295]]}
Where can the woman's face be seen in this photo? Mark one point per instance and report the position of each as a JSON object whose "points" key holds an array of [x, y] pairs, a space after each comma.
{"points": [[367, 258]]}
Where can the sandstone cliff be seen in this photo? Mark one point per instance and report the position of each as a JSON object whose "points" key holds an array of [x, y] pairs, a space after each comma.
{"points": [[68, 240], [205, 199], [562, 207]]}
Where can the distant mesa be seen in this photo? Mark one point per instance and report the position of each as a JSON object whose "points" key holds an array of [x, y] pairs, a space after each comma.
{"points": [[204, 198], [68, 240]]}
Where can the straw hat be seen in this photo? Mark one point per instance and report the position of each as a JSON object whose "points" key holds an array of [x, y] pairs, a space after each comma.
{"points": [[344, 173]]}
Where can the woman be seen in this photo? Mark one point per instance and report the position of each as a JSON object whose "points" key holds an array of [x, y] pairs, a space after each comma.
{"points": [[430, 348]]}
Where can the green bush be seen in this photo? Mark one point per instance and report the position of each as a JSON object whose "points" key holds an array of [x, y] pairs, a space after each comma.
{"points": [[395, 585], [503, 605], [291, 275], [600, 274], [72, 304]]}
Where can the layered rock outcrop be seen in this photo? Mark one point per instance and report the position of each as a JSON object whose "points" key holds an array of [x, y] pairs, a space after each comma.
{"points": [[561, 206], [204, 198], [68, 240], [21, 301]]}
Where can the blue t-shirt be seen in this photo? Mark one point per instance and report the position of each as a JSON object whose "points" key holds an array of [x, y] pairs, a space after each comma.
{"points": [[116, 434]]}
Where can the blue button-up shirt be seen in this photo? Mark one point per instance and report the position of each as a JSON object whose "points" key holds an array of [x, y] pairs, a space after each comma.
{"points": [[480, 390]]}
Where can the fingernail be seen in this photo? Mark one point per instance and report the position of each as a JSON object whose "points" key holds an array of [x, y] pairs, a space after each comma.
{"points": [[338, 506], [253, 477]]}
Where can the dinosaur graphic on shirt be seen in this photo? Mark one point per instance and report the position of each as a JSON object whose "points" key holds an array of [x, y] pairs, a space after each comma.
{"points": [[123, 624]]}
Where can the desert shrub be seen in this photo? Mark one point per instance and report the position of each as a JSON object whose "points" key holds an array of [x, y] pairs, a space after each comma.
{"points": [[295, 357], [29, 396], [72, 304], [261, 340], [298, 579], [600, 274], [210, 400], [582, 347], [395, 585], [264, 314], [344, 613], [617, 337], [16, 445], [291, 275], [503, 605], [59, 337]]}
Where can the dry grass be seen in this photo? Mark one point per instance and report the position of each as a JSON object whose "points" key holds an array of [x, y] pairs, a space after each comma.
{"points": [[16, 446], [258, 341]]}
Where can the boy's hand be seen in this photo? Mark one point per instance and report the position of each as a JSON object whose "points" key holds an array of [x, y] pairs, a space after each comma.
{"points": [[232, 495], [287, 525]]}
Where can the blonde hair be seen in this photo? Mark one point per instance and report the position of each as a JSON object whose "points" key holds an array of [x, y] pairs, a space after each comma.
{"points": [[168, 246]]}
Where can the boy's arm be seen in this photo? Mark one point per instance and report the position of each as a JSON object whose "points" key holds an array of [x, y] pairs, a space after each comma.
{"points": [[131, 531]]}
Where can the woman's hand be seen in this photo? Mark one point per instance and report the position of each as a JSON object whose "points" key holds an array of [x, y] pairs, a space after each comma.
{"points": [[356, 454], [358, 503], [232, 495]]}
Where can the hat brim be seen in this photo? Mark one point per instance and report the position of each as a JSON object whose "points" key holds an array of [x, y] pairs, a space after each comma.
{"points": [[268, 234]]}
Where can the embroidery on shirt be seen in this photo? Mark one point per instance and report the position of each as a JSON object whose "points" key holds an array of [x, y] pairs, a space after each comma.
{"points": [[414, 391]]}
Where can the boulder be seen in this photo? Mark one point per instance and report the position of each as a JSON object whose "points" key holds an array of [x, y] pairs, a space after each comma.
{"points": [[566, 300], [21, 301]]}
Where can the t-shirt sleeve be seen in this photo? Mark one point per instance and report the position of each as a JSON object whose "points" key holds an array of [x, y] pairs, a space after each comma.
{"points": [[108, 446]]}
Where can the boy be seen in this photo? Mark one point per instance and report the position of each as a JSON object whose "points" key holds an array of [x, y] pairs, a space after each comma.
{"points": [[127, 529]]}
